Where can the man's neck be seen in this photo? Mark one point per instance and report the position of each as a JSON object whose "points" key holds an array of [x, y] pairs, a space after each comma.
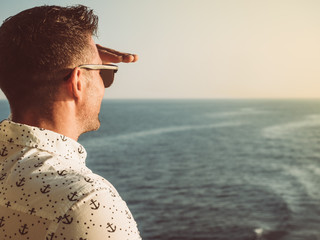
{"points": [[59, 120]]}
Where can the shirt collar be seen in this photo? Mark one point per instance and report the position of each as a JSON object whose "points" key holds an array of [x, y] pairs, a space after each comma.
{"points": [[34, 137]]}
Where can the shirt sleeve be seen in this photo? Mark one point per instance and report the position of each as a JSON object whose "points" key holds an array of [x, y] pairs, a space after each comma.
{"points": [[100, 215]]}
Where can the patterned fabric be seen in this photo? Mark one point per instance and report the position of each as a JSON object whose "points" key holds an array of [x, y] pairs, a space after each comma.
{"points": [[47, 192]]}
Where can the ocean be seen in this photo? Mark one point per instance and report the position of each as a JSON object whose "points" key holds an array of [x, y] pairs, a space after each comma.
{"points": [[212, 169]]}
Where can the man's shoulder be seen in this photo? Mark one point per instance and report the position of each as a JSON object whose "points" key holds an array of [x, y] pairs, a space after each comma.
{"points": [[53, 183], [69, 182]]}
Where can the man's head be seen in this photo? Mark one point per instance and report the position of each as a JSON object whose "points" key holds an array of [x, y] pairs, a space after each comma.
{"points": [[38, 46]]}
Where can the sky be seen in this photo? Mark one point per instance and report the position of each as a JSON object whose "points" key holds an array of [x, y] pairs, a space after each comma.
{"points": [[207, 48]]}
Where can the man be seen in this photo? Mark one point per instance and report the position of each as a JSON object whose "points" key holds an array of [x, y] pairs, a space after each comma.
{"points": [[49, 72]]}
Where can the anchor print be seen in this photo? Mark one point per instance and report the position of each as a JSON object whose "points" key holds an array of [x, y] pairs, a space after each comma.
{"points": [[66, 218], [51, 236], [95, 206], [3, 176], [72, 198], [8, 204], [62, 173], [112, 193], [80, 150], [88, 180], [10, 140], [24, 229], [112, 229], [1, 222], [128, 214], [38, 164], [32, 211], [63, 138], [45, 189], [21, 182], [4, 152]]}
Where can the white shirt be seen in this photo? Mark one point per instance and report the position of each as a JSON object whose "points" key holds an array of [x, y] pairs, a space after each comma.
{"points": [[47, 192]]}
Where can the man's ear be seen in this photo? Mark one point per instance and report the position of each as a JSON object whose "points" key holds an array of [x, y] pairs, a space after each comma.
{"points": [[76, 81]]}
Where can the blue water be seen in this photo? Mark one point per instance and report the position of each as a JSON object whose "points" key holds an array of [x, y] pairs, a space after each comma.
{"points": [[212, 169]]}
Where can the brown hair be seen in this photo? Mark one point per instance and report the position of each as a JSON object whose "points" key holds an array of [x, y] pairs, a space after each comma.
{"points": [[37, 45]]}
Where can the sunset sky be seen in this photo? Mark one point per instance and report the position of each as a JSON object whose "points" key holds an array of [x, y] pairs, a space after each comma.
{"points": [[208, 48]]}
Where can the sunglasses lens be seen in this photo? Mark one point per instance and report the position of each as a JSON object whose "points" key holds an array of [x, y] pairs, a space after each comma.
{"points": [[107, 76]]}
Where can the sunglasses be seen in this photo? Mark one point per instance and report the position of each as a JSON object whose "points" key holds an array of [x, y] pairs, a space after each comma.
{"points": [[107, 72]]}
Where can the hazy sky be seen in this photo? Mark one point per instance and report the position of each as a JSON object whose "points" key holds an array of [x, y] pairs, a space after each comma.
{"points": [[208, 48]]}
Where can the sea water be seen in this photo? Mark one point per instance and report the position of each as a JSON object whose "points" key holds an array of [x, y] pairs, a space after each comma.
{"points": [[212, 169]]}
